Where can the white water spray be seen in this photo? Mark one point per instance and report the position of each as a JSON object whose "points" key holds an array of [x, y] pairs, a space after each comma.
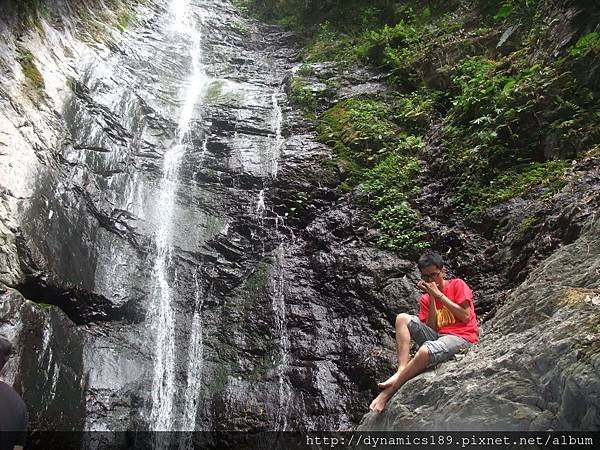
{"points": [[260, 203]]}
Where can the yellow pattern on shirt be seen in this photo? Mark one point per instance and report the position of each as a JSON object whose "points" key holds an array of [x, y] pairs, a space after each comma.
{"points": [[444, 317]]}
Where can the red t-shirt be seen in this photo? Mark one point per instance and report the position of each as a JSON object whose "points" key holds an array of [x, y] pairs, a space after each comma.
{"points": [[457, 291]]}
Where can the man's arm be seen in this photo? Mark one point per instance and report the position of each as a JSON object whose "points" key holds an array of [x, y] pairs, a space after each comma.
{"points": [[462, 312], [432, 317]]}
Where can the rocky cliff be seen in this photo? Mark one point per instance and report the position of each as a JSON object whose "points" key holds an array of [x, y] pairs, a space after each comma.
{"points": [[226, 291], [178, 249], [471, 125]]}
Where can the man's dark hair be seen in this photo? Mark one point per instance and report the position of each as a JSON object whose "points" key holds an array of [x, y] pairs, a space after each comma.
{"points": [[5, 350], [430, 259]]}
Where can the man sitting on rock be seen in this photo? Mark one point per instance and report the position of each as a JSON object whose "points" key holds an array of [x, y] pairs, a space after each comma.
{"points": [[446, 325]]}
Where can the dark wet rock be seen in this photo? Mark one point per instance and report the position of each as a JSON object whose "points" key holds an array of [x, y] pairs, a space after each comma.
{"points": [[533, 229], [47, 369], [279, 344]]}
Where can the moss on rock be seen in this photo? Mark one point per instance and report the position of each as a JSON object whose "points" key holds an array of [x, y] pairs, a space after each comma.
{"points": [[30, 70]]}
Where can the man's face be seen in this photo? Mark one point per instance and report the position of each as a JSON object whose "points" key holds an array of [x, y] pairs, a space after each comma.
{"points": [[433, 273]]}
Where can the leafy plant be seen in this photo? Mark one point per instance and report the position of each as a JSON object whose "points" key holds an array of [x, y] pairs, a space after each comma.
{"points": [[585, 44], [526, 226], [521, 10], [390, 185], [360, 131], [377, 44], [477, 198], [303, 96], [240, 28]]}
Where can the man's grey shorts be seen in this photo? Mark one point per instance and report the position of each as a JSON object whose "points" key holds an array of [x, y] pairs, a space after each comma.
{"points": [[442, 347]]}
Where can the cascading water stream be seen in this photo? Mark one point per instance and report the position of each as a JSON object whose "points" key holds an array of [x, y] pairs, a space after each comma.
{"points": [[281, 330], [278, 303], [279, 140], [194, 369], [161, 314]]}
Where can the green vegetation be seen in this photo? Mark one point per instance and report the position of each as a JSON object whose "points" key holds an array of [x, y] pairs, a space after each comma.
{"points": [[588, 43], [217, 93], [95, 20], [513, 115], [43, 306], [360, 131], [308, 15], [305, 70], [213, 92], [259, 280], [374, 151], [518, 11], [527, 225], [303, 96], [508, 118], [240, 29], [29, 13], [390, 185], [124, 17], [594, 152], [328, 44]]}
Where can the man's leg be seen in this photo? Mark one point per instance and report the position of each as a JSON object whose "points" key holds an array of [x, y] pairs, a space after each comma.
{"points": [[445, 347], [431, 353], [407, 327], [402, 347], [416, 365]]}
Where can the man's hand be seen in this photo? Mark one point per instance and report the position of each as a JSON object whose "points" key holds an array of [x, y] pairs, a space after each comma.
{"points": [[432, 314], [431, 288], [460, 311]]}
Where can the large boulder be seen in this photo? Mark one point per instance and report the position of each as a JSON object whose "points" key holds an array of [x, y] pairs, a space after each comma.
{"points": [[536, 366]]}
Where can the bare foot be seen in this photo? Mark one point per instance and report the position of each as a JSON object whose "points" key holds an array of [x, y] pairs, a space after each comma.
{"points": [[391, 380], [381, 400]]}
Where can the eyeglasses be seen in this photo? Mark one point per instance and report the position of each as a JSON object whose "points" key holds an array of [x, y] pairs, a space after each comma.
{"points": [[430, 276]]}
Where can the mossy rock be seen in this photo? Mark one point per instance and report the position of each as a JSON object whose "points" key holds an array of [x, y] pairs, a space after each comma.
{"points": [[302, 95], [30, 70]]}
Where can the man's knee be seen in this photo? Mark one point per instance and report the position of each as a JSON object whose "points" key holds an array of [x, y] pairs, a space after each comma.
{"points": [[403, 319], [423, 352]]}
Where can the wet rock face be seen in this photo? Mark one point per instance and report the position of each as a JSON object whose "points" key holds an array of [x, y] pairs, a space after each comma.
{"points": [[280, 312], [535, 367], [48, 369]]}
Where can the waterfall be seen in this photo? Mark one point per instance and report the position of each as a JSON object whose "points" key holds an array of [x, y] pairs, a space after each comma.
{"points": [[281, 330], [161, 314], [260, 204], [278, 303], [276, 124], [194, 370]]}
